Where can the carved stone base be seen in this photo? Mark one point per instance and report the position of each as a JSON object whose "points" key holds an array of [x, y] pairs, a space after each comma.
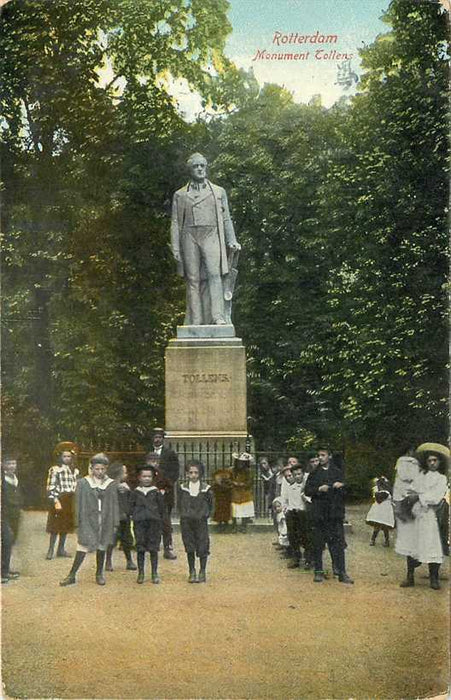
{"points": [[205, 389]]}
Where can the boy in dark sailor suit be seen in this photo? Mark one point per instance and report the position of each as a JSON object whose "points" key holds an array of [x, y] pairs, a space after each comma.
{"points": [[147, 512], [195, 505]]}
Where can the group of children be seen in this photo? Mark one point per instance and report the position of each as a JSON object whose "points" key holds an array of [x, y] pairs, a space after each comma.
{"points": [[108, 509], [307, 511], [290, 508]]}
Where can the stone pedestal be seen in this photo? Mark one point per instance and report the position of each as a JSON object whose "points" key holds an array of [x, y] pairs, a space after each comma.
{"points": [[206, 384], [206, 410]]}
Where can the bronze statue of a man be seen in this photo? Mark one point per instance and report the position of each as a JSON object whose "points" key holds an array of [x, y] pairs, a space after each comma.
{"points": [[204, 245]]}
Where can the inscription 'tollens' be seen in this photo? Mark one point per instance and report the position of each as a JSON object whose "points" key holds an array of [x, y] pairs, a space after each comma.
{"points": [[207, 378]]}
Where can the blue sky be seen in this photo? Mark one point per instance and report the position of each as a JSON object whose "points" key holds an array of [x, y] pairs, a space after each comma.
{"points": [[254, 22]]}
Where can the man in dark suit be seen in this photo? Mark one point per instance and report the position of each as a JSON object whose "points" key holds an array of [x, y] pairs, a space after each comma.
{"points": [[325, 486], [169, 468]]}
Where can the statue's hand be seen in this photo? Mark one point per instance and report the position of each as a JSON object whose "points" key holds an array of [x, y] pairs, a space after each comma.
{"points": [[235, 246]]}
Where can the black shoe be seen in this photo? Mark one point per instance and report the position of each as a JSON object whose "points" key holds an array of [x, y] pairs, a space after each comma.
{"points": [[344, 578], [131, 566], [372, 544], [109, 566], [100, 580], [5, 579], [318, 577], [140, 578], [49, 554], [13, 574], [192, 577], [169, 554], [68, 581], [202, 577], [156, 578], [64, 554]]}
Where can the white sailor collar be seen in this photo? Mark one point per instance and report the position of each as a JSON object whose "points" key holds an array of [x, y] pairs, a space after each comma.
{"points": [[145, 489], [203, 488], [96, 485]]}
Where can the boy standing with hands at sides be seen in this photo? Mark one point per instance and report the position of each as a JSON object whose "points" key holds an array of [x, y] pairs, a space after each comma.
{"points": [[196, 505], [147, 512], [97, 517], [11, 499], [294, 506]]}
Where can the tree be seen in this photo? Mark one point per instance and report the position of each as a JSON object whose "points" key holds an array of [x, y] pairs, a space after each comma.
{"points": [[384, 205], [271, 157], [343, 217], [91, 142]]}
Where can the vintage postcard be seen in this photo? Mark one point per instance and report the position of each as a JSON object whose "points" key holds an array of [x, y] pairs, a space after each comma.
{"points": [[224, 429]]}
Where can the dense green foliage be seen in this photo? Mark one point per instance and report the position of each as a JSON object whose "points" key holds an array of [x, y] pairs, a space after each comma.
{"points": [[271, 156], [344, 218], [385, 218], [341, 213], [89, 169]]}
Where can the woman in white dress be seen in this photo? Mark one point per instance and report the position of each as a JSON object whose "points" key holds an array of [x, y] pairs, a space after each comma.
{"points": [[421, 541]]}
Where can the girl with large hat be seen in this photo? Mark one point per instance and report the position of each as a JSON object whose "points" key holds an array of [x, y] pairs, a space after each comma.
{"points": [[422, 541]]}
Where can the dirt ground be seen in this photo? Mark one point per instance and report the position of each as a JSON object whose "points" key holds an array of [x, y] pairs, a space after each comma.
{"points": [[254, 630]]}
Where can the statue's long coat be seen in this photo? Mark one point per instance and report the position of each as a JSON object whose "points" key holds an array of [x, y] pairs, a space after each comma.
{"points": [[184, 199]]}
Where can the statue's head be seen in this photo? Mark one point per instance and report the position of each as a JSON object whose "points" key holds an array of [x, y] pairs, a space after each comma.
{"points": [[197, 164]]}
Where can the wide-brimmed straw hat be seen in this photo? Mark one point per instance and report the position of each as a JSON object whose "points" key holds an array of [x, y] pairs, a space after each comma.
{"points": [[434, 447], [66, 446]]}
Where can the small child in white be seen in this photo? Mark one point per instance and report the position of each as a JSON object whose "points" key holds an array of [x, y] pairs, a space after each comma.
{"points": [[195, 501], [282, 531], [381, 515]]}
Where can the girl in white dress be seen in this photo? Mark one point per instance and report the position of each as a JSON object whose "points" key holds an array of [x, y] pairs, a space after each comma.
{"points": [[422, 542], [381, 515]]}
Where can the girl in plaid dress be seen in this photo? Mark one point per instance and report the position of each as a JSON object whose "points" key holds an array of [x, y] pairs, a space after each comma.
{"points": [[61, 485]]}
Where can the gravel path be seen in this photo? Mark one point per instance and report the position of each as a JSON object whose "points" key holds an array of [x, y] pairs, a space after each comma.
{"points": [[254, 630]]}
